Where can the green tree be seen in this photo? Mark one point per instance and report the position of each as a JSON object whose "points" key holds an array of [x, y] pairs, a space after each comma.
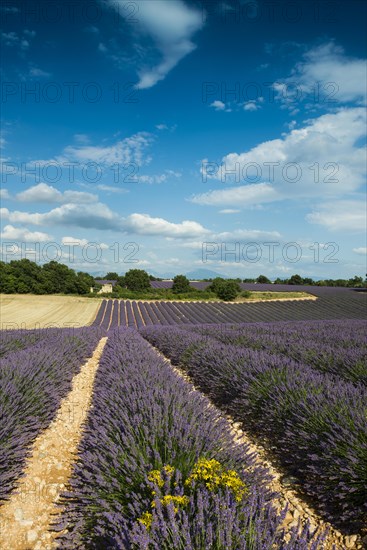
{"points": [[112, 276], [216, 284], [228, 290], [84, 282], [263, 280], [137, 280], [121, 281], [61, 278], [295, 280], [181, 284]]}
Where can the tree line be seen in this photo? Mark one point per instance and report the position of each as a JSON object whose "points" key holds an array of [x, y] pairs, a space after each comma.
{"points": [[27, 277]]}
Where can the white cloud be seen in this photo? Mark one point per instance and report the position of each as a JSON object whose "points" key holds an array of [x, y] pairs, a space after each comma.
{"points": [[229, 211], [100, 216], [102, 48], [127, 151], [4, 194], [240, 235], [11, 233], [30, 34], [245, 195], [39, 73], [327, 75], [170, 25], [158, 178], [322, 159], [10, 38], [251, 106], [88, 216], [111, 189], [362, 250], [48, 194], [162, 127], [14, 39], [218, 105], [143, 224], [81, 138], [344, 215], [73, 241]]}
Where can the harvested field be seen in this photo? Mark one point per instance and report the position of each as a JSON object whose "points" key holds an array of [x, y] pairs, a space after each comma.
{"points": [[28, 311]]}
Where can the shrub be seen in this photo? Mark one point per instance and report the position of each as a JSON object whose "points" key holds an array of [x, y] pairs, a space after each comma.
{"points": [[137, 279], [228, 290], [180, 284]]}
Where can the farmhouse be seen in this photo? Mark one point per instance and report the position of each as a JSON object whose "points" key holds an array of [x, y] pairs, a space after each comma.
{"points": [[107, 286]]}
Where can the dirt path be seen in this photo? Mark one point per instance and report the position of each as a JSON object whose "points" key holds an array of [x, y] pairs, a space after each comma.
{"points": [[26, 311], [26, 517], [298, 510]]}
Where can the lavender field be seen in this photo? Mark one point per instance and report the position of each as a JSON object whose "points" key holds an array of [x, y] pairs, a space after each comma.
{"points": [[330, 304], [157, 465]]}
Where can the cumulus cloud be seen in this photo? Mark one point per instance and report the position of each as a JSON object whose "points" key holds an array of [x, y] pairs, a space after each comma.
{"points": [[218, 105], [11, 233], [143, 224], [87, 216], [250, 106], [100, 216], [323, 159], [47, 194], [345, 215], [170, 25], [4, 194], [327, 75]]}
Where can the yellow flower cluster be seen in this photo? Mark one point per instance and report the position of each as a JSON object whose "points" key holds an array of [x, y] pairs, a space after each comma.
{"points": [[155, 476], [146, 519], [209, 472], [178, 500], [214, 476]]}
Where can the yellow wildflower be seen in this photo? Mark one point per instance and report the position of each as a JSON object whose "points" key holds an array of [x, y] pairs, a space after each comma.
{"points": [[175, 499], [214, 476], [146, 519]]}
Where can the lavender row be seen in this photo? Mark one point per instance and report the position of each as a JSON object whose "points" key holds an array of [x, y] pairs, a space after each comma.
{"points": [[316, 424], [32, 383], [337, 347], [147, 440], [341, 333]]}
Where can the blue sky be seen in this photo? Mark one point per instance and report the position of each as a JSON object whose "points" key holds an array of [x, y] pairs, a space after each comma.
{"points": [[176, 135]]}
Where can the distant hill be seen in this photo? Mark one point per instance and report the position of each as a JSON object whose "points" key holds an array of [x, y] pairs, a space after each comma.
{"points": [[199, 274]]}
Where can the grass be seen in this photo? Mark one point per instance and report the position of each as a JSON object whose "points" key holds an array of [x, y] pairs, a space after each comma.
{"points": [[156, 294], [257, 295]]}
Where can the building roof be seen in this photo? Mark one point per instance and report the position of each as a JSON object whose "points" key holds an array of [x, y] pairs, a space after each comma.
{"points": [[105, 282]]}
